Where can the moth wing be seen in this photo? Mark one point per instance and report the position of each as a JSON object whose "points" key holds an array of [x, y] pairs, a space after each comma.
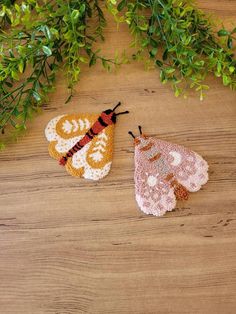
{"points": [[63, 132], [153, 194], [188, 167], [99, 154], [93, 161], [96, 157]]}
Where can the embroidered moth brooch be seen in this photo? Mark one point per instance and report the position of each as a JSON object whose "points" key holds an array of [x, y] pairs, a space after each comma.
{"points": [[83, 143], [165, 172]]}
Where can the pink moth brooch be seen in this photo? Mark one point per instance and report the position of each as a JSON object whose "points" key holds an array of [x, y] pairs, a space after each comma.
{"points": [[164, 173]]}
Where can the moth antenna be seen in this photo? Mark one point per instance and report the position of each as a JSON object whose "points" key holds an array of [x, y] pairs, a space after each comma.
{"points": [[124, 112], [130, 133], [140, 129], [119, 103]]}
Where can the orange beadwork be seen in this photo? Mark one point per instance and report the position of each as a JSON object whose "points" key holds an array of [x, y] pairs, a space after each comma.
{"points": [[66, 132], [180, 191], [106, 118]]}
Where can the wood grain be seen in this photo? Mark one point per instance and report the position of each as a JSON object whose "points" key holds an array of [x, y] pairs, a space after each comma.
{"points": [[73, 246]]}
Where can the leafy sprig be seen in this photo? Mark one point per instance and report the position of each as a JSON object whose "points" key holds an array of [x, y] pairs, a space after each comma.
{"points": [[39, 37], [43, 37], [5, 13], [181, 42]]}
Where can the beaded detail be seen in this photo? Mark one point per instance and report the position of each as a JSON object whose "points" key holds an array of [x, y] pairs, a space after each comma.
{"points": [[94, 160], [83, 143], [165, 172]]}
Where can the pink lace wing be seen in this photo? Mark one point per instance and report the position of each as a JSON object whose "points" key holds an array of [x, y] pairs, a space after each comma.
{"points": [[189, 168], [153, 194]]}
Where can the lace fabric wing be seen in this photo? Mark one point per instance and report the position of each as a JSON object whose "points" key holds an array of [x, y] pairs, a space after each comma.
{"points": [[93, 161], [155, 160], [188, 167], [153, 194]]}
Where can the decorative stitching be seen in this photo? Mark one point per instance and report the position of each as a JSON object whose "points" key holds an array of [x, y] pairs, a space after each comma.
{"points": [[165, 172], [67, 131], [83, 142]]}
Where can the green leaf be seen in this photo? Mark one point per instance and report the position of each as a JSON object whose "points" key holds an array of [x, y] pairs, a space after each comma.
{"points": [[226, 80], [15, 75], [159, 63], [143, 27], [177, 92], [145, 42], [230, 43], [231, 69], [21, 66], [121, 5], [153, 52], [47, 51], [74, 15], [165, 55], [223, 32], [219, 67], [47, 32], [15, 112], [36, 95], [82, 8], [153, 43], [169, 70], [83, 59], [92, 60], [151, 29], [162, 76]]}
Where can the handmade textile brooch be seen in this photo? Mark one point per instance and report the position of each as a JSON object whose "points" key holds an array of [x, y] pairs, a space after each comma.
{"points": [[83, 143], [165, 172]]}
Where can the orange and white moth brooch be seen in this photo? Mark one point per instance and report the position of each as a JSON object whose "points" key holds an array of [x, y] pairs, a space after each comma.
{"points": [[83, 143], [164, 173]]}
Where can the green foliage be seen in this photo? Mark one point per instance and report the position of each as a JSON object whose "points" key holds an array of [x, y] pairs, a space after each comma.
{"points": [[39, 37], [43, 37], [5, 12], [180, 41]]}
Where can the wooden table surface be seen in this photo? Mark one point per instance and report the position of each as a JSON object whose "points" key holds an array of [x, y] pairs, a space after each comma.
{"points": [[74, 246]]}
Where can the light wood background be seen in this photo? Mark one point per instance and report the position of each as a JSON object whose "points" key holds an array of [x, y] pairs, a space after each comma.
{"points": [[74, 246]]}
